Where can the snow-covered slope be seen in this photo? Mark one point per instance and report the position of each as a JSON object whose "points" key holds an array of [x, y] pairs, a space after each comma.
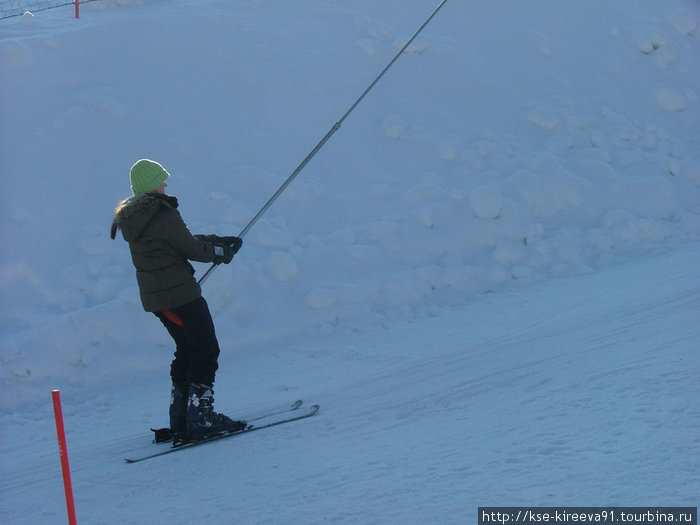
{"points": [[579, 391], [487, 277]]}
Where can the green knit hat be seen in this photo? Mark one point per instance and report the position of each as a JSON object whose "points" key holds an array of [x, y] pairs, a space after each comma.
{"points": [[147, 175]]}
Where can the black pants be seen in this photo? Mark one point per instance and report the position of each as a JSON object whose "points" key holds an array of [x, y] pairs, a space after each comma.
{"points": [[196, 347]]}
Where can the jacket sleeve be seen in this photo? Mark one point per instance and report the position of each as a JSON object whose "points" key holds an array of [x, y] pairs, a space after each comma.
{"points": [[186, 244]]}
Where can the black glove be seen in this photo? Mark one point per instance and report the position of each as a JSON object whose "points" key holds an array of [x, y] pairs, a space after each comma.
{"points": [[206, 238], [234, 242], [223, 253]]}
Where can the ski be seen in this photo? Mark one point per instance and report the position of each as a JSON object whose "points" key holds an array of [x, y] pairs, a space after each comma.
{"points": [[164, 435], [267, 421], [294, 406]]}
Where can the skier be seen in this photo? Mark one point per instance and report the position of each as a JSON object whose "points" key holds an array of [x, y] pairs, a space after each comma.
{"points": [[161, 247]]}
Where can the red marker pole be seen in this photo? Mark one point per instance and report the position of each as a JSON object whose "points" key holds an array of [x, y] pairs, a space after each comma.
{"points": [[63, 450], [77, 8]]}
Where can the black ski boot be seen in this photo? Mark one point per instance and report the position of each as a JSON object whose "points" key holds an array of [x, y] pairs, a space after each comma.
{"points": [[202, 421], [178, 413]]}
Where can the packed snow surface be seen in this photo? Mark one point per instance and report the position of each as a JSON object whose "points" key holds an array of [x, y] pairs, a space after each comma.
{"points": [[488, 277]]}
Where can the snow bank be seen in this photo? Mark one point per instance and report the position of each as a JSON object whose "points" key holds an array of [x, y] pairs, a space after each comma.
{"points": [[475, 165], [496, 254]]}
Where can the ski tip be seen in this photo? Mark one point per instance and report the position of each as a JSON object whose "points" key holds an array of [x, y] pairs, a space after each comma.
{"points": [[296, 404]]}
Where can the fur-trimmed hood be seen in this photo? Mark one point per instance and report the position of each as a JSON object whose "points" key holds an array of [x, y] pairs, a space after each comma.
{"points": [[133, 214]]}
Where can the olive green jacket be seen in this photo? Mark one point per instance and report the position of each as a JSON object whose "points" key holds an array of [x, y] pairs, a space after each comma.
{"points": [[161, 247]]}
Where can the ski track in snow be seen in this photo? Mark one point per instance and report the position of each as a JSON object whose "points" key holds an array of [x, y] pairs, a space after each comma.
{"points": [[571, 392]]}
